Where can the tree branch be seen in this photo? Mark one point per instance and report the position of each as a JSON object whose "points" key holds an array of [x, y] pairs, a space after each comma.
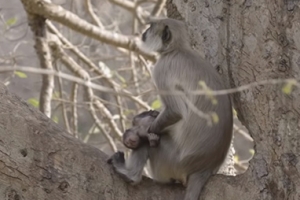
{"points": [[69, 19]]}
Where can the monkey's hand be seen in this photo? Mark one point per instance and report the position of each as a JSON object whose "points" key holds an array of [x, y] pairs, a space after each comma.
{"points": [[166, 118], [153, 139]]}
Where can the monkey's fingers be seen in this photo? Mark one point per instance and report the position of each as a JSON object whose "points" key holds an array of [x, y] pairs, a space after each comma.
{"points": [[117, 157], [153, 139]]}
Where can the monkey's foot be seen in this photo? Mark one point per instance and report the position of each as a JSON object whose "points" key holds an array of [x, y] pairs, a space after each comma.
{"points": [[117, 157], [118, 163]]}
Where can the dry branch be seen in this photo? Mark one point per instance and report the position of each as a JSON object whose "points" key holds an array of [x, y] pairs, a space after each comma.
{"points": [[69, 19], [38, 27]]}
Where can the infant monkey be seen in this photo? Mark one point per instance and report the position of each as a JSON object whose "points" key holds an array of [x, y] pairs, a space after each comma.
{"points": [[138, 134]]}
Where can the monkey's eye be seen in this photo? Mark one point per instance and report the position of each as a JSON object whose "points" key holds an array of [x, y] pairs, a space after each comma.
{"points": [[166, 34]]}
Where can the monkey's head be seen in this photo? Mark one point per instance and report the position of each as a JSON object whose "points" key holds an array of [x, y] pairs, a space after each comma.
{"points": [[131, 139], [164, 35], [145, 118]]}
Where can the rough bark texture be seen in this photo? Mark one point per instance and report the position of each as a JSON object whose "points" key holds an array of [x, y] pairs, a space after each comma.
{"points": [[40, 161], [249, 41]]}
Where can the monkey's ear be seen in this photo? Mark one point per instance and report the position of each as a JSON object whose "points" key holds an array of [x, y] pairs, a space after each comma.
{"points": [[166, 34]]}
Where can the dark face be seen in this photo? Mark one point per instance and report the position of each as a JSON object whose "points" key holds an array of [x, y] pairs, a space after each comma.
{"points": [[162, 30], [131, 139]]}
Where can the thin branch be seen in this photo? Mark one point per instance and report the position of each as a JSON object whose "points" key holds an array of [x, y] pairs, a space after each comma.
{"points": [[243, 133], [93, 15], [76, 80], [93, 67], [75, 68], [74, 95], [132, 7], [247, 86], [109, 116], [110, 140], [64, 110], [136, 99], [69, 19], [158, 8]]}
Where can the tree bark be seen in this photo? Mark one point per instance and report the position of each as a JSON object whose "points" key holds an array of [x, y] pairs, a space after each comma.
{"points": [[250, 41], [39, 160]]}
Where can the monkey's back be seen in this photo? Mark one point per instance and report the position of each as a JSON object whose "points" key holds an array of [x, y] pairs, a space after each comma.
{"points": [[182, 71]]}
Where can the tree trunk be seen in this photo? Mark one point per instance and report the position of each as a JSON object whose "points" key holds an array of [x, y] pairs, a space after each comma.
{"points": [[250, 41]]}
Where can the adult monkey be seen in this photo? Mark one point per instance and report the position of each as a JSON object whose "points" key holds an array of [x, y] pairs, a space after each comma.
{"points": [[190, 150]]}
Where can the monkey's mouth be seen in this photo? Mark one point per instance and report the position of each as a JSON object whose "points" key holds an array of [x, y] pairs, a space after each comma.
{"points": [[133, 143]]}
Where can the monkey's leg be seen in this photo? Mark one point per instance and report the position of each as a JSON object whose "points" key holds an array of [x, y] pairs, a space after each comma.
{"points": [[131, 169], [195, 184]]}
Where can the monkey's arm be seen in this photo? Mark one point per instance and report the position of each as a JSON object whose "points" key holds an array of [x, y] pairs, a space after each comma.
{"points": [[169, 116]]}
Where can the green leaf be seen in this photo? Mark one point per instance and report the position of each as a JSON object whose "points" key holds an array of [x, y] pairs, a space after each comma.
{"points": [[208, 91], [234, 112], [287, 88], [215, 117], [202, 84], [11, 21], [33, 102], [156, 104], [55, 119], [214, 101], [121, 78], [236, 158], [20, 74], [252, 151], [128, 112], [55, 94]]}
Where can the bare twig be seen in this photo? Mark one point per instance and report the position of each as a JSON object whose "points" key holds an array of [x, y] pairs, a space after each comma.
{"points": [[158, 8], [69, 19], [74, 109], [243, 133], [76, 80], [109, 116], [94, 68], [93, 15], [75, 68], [110, 140], [137, 100], [132, 7], [64, 111], [132, 61]]}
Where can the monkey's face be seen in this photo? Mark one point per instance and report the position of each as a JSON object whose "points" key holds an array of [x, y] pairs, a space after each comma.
{"points": [[131, 139], [156, 38]]}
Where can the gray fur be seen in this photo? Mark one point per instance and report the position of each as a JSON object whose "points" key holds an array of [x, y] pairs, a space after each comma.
{"points": [[190, 151]]}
